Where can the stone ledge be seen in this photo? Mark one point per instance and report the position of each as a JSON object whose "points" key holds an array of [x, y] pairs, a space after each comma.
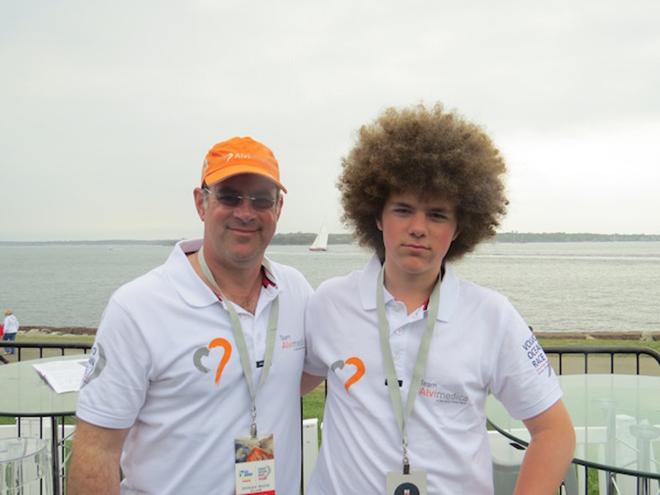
{"points": [[644, 336], [36, 330]]}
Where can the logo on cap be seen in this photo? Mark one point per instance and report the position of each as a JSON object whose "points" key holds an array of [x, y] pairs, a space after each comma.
{"points": [[240, 155]]}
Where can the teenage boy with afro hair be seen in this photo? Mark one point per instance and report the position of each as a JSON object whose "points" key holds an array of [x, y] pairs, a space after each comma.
{"points": [[410, 350]]}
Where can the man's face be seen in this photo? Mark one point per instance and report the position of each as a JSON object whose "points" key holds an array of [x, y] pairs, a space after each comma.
{"points": [[417, 234], [237, 236]]}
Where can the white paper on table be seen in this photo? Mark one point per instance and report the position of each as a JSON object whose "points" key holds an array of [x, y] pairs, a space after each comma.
{"points": [[63, 376]]}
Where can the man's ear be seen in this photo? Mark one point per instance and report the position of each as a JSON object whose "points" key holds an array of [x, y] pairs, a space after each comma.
{"points": [[456, 232], [198, 194], [379, 224], [280, 204]]}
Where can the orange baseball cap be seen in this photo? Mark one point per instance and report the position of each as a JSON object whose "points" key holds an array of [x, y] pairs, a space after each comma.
{"points": [[240, 155]]}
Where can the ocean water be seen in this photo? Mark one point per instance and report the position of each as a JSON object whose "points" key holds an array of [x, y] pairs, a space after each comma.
{"points": [[590, 286]]}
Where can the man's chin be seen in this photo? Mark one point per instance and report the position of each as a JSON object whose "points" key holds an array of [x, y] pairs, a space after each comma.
{"points": [[246, 255]]}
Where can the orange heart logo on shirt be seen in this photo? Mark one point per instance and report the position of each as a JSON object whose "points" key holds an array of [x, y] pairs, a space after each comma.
{"points": [[226, 346], [359, 371], [357, 362]]}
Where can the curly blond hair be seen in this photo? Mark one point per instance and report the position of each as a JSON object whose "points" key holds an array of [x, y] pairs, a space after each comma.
{"points": [[431, 153]]}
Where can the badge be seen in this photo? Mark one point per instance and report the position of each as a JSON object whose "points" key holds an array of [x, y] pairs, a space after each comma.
{"points": [[255, 466], [406, 484]]}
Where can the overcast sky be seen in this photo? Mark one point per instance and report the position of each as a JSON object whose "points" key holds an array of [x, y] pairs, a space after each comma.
{"points": [[108, 108]]}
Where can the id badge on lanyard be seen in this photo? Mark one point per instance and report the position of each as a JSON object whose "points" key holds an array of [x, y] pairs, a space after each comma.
{"points": [[413, 483], [255, 465]]}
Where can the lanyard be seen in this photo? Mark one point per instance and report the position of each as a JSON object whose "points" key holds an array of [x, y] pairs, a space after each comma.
{"points": [[420, 363], [239, 338]]}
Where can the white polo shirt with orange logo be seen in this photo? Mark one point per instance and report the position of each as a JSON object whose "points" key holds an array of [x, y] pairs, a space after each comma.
{"points": [[480, 343], [153, 369]]}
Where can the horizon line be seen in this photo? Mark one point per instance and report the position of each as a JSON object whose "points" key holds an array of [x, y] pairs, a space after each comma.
{"points": [[300, 233]]}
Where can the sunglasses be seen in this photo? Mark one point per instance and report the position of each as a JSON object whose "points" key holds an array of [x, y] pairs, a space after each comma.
{"points": [[232, 199]]}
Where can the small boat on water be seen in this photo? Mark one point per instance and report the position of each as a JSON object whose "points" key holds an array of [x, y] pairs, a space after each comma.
{"points": [[321, 241]]}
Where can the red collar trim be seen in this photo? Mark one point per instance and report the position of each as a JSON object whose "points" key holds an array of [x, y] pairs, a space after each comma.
{"points": [[442, 274], [265, 281]]}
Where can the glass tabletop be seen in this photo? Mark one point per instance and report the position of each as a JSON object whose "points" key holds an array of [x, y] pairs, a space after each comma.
{"points": [[25, 393], [616, 419]]}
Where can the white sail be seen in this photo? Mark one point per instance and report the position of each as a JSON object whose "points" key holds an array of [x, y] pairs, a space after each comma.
{"points": [[321, 241]]}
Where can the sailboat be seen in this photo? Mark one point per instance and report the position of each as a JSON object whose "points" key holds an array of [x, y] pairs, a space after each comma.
{"points": [[321, 241]]}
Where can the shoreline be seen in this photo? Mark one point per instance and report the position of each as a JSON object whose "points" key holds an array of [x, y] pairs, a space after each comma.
{"points": [[642, 336]]}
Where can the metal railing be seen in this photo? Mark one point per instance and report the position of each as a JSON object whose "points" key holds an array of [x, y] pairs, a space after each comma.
{"points": [[40, 347], [611, 351]]}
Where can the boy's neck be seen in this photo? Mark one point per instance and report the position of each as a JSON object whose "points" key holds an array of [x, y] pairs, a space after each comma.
{"points": [[411, 289]]}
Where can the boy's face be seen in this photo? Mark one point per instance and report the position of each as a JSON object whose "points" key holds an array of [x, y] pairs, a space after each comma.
{"points": [[417, 234]]}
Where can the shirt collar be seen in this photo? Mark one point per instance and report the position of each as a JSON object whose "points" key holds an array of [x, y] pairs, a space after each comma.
{"points": [[190, 286], [448, 290]]}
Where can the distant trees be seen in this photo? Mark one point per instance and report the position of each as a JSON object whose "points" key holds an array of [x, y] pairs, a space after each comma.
{"points": [[564, 237], [304, 238]]}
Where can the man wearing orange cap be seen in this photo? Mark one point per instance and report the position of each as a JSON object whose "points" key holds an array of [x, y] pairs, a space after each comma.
{"points": [[193, 381]]}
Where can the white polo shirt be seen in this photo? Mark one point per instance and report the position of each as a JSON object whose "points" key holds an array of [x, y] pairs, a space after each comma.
{"points": [[152, 371], [480, 343]]}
